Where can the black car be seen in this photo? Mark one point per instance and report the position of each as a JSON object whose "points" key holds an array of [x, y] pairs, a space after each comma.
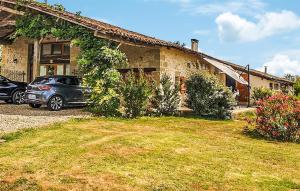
{"points": [[12, 91], [56, 92]]}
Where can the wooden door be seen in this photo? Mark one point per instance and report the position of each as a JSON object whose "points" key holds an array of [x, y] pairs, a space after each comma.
{"points": [[243, 89]]}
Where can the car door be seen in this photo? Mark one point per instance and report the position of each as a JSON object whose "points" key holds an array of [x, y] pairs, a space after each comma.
{"points": [[78, 92], [71, 90], [5, 87]]}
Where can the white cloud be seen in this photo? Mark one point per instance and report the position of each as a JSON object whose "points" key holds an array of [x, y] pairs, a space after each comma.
{"points": [[195, 7], [232, 27], [282, 64], [242, 6]]}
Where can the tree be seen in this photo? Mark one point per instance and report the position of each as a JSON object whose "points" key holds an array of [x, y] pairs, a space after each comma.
{"points": [[166, 99], [290, 77], [297, 87], [208, 97], [136, 93]]}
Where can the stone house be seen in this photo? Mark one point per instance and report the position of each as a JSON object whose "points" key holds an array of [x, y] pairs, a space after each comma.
{"points": [[35, 57]]}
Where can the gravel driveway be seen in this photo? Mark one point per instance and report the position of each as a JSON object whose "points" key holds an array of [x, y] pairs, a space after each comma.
{"points": [[14, 117]]}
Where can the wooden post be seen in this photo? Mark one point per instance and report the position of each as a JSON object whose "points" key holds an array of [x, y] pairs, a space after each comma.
{"points": [[249, 87], [36, 58]]}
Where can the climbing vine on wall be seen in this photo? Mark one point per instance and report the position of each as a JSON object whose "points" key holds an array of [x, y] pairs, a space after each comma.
{"points": [[97, 61]]}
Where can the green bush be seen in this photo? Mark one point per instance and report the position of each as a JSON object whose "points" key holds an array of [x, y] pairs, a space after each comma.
{"points": [[105, 94], [208, 97], [136, 93], [261, 94], [166, 98], [297, 87]]}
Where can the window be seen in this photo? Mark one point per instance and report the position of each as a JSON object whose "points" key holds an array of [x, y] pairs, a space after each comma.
{"points": [[66, 49], [271, 86], [276, 86], [46, 49], [182, 85], [68, 81], [56, 49]]}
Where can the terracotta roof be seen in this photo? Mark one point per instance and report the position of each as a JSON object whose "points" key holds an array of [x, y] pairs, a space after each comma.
{"points": [[115, 32]]}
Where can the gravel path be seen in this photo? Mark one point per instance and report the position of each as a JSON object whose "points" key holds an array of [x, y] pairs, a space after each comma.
{"points": [[15, 117]]}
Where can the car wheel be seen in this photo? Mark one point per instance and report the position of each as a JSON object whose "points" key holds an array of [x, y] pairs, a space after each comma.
{"points": [[33, 105], [18, 97], [56, 103]]}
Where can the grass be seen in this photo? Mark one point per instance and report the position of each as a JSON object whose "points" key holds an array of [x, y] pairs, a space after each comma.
{"points": [[146, 154]]}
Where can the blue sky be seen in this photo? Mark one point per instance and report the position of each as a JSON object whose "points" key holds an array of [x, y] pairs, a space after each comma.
{"points": [[255, 32]]}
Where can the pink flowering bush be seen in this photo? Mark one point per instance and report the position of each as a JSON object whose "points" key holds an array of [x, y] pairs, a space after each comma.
{"points": [[278, 117]]}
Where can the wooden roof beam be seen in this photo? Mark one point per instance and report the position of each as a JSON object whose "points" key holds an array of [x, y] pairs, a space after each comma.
{"points": [[9, 10], [7, 23], [7, 17]]}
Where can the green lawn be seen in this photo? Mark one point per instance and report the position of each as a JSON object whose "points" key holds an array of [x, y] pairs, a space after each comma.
{"points": [[146, 154]]}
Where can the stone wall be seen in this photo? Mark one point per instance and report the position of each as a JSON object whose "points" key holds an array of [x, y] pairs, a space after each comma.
{"points": [[178, 64], [257, 82], [143, 57], [15, 56]]}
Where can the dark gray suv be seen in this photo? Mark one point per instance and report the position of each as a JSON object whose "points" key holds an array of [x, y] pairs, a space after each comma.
{"points": [[56, 92]]}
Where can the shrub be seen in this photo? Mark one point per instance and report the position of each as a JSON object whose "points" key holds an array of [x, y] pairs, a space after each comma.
{"points": [[278, 117], [136, 93], [166, 98], [105, 94], [208, 97], [297, 87], [261, 93]]}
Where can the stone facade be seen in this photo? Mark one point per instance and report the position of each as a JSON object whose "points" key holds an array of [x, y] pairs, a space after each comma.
{"points": [[176, 63], [15, 56], [257, 82], [179, 64], [143, 58]]}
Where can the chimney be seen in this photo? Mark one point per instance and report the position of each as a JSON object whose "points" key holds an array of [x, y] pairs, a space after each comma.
{"points": [[195, 45], [266, 69]]}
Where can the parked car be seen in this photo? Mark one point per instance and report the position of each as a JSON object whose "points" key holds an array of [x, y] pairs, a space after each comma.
{"points": [[12, 91], [56, 92]]}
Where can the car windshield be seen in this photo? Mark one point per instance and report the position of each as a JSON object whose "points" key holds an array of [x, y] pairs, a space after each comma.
{"points": [[38, 81]]}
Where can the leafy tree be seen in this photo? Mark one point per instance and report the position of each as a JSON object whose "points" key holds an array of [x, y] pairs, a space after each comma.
{"points": [[290, 77], [105, 95], [136, 92], [208, 97], [297, 87], [166, 98]]}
